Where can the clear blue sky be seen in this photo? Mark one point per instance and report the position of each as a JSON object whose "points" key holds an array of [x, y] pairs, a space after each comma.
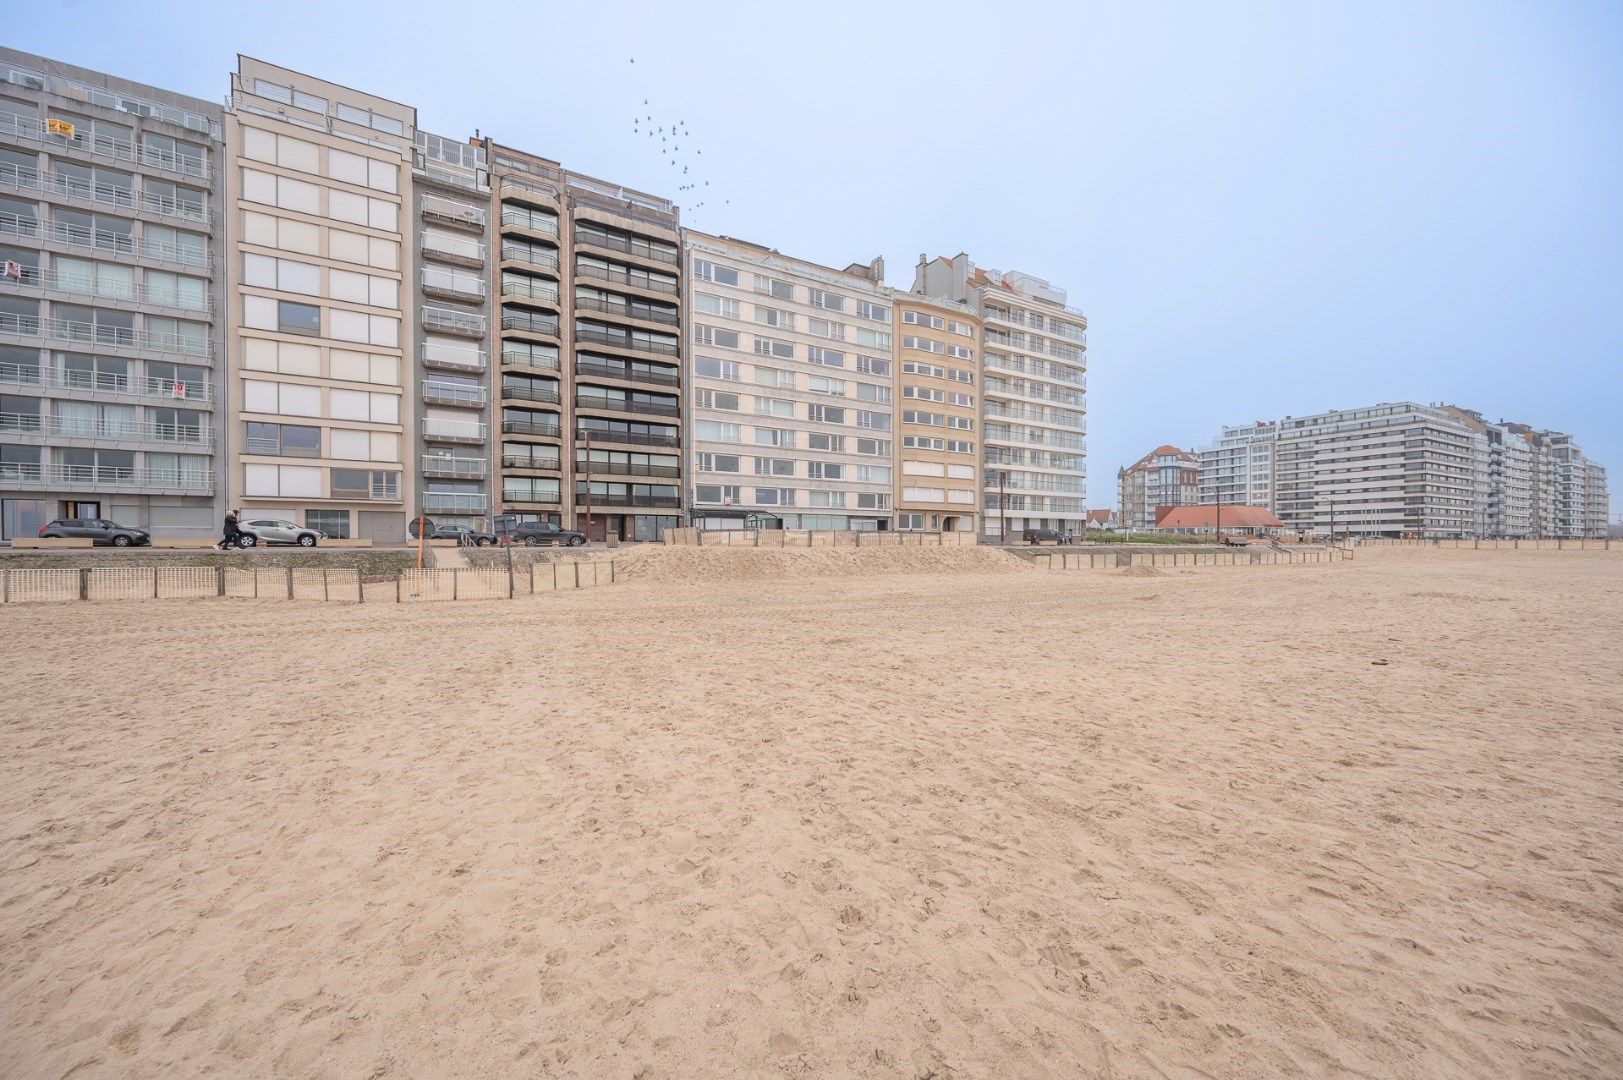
{"points": [[1263, 208]]}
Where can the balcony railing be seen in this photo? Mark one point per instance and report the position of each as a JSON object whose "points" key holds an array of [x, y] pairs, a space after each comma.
{"points": [[585, 366], [434, 208], [73, 187], [449, 465], [531, 427], [525, 253], [445, 176], [626, 500], [454, 248], [514, 391], [114, 336], [521, 357], [621, 277], [62, 232], [526, 323], [514, 461], [105, 382], [451, 321], [625, 341], [628, 405], [467, 431], [36, 280], [456, 501], [99, 477], [29, 127], [625, 245], [444, 355], [1036, 368], [626, 311], [545, 224], [128, 431], [454, 394], [1056, 417], [544, 291], [627, 438], [628, 469], [443, 281]]}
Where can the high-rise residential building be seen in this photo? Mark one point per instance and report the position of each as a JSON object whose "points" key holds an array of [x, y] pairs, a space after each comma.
{"points": [[111, 302], [793, 389], [1239, 466], [1581, 503], [1166, 476], [1034, 393], [938, 415], [450, 310], [320, 263], [590, 351]]}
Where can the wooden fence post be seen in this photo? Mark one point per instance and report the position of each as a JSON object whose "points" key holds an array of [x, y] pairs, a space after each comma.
{"points": [[290, 583], [219, 581], [453, 583], [325, 593], [398, 574], [84, 584], [154, 583], [360, 588], [5, 595]]}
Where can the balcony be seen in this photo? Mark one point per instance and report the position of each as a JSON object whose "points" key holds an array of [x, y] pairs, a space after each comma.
{"points": [[108, 336], [515, 461], [189, 391], [436, 282], [442, 393], [460, 250], [518, 354], [536, 221], [450, 212], [452, 321], [60, 232], [627, 405], [586, 366], [524, 322], [437, 354], [637, 249], [614, 339], [36, 280], [455, 431], [33, 424], [537, 289], [452, 466], [33, 129], [627, 438], [72, 187], [538, 428], [92, 478], [627, 311], [611, 468], [599, 500], [530, 254], [512, 391], [456, 502], [1035, 414], [622, 277]]}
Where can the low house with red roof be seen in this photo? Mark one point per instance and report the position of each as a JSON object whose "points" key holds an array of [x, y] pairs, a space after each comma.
{"points": [[1234, 520]]}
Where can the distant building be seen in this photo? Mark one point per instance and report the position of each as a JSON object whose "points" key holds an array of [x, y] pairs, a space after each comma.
{"points": [[1231, 520], [1238, 470], [1166, 476], [1103, 519]]}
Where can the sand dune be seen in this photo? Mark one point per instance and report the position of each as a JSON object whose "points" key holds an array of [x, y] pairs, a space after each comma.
{"points": [[1260, 821]]}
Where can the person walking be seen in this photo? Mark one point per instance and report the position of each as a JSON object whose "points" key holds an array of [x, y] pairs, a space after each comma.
{"points": [[232, 533]]}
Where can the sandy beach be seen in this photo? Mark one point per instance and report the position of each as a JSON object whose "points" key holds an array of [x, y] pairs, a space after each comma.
{"points": [[1361, 819]]}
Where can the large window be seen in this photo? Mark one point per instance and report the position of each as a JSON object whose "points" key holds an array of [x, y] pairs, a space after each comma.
{"points": [[333, 524], [294, 318]]}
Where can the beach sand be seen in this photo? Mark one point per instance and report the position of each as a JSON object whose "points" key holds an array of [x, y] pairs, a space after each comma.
{"points": [[1257, 821]]}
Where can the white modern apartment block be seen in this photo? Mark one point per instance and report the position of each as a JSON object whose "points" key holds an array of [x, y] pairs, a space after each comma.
{"points": [[793, 389], [1394, 469], [320, 269], [1239, 466], [110, 301], [1034, 393], [1581, 503]]}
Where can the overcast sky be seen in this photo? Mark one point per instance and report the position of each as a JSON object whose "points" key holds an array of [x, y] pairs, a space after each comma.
{"points": [[1264, 209]]}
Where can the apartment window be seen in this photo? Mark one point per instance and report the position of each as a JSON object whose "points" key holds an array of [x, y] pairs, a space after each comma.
{"points": [[294, 318], [781, 437], [962, 423], [778, 380], [960, 352], [877, 312], [826, 300], [718, 463], [923, 393], [880, 395], [711, 335], [283, 440], [767, 316], [725, 494], [717, 369], [826, 499], [825, 414], [534, 489], [768, 286], [910, 522], [873, 339], [774, 496], [922, 442], [923, 344], [816, 354], [927, 419], [833, 443], [873, 474], [333, 524], [874, 447], [819, 384], [919, 318], [867, 500], [709, 271], [825, 470], [783, 350], [715, 399], [712, 431], [964, 401], [717, 305], [961, 329], [774, 466], [825, 328], [872, 365], [957, 375], [765, 406]]}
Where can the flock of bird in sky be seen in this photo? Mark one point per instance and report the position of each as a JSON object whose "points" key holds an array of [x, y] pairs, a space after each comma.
{"points": [[692, 189]]}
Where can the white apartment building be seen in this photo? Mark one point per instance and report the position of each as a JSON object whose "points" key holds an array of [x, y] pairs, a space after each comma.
{"points": [[319, 269], [110, 302], [793, 388], [1034, 393], [1239, 466]]}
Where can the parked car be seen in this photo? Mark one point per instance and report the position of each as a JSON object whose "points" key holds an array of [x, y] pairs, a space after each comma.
{"points": [[1037, 536], [270, 531], [1236, 541], [99, 531], [463, 534], [537, 533]]}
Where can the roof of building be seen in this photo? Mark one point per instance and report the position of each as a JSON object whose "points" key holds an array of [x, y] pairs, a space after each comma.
{"points": [[1165, 450], [1205, 517], [1101, 517]]}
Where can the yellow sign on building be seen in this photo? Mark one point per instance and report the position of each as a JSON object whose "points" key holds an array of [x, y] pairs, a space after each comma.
{"points": [[59, 127]]}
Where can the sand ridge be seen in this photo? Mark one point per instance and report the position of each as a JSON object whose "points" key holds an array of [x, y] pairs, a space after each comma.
{"points": [[951, 825]]}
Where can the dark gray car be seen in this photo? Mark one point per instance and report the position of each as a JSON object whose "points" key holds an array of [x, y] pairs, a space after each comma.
{"points": [[537, 533], [99, 531]]}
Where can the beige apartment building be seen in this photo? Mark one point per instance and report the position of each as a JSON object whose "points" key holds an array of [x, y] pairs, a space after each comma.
{"points": [[317, 266], [793, 389], [1166, 476], [938, 410]]}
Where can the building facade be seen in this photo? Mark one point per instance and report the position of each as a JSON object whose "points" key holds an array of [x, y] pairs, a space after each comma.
{"points": [[111, 325], [938, 415], [793, 390], [1033, 393], [319, 267], [1166, 476], [1238, 468]]}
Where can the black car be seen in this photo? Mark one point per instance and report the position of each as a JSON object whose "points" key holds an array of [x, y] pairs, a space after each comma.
{"points": [[536, 533], [1037, 536], [99, 531], [462, 534]]}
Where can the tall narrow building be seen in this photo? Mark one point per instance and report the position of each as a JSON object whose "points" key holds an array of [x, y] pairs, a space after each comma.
{"points": [[111, 303], [793, 390], [1034, 393], [938, 414], [319, 267], [1238, 468]]}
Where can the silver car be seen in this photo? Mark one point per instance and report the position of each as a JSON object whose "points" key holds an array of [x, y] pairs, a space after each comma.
{"points": [[269, 531]]}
